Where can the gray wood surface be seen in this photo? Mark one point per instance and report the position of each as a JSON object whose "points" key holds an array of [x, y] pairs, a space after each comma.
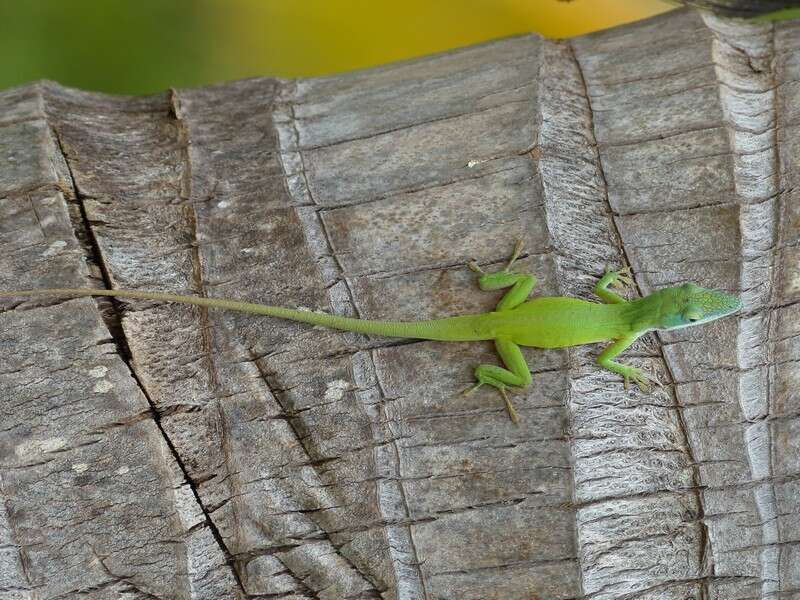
{"points": [[153, 451]]}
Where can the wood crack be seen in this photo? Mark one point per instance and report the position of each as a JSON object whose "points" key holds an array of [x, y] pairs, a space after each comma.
{"points": [[614, 247], [190, 214], [451, 117], [118, 334], [290, 416]]}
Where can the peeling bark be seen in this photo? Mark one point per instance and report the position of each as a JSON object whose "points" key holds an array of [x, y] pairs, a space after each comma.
{"points": [[153, 451]]}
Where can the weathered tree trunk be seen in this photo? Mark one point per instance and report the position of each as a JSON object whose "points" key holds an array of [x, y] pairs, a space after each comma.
{"points": [[162, 451]]}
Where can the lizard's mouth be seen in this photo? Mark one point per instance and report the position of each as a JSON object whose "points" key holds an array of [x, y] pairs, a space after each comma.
{"points": [[724, 304], [714, 304]]}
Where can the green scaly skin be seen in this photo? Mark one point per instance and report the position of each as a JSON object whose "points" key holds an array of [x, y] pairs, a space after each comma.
{"points": [[545, 322]]}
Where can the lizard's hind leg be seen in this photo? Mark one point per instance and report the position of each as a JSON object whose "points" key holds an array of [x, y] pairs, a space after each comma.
{"points": [[521, 284], [517, 374]]}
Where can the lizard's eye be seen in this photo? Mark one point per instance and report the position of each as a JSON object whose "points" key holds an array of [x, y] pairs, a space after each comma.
{"points": [[692, 316]]}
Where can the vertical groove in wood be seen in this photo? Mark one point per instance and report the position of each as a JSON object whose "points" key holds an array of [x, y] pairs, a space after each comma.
{"points": [[391, 497], [655, 566], [583, 241], [744, 61]]}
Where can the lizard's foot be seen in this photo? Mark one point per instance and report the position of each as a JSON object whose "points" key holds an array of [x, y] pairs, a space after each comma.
{"points": [[620, 278], [512, 412], [483, 373], [471, 389], [514, 255], [475, 267], [640, 377], [521, 284]]}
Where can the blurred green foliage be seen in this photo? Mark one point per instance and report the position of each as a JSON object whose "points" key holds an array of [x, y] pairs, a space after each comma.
{"points": [[145, 46], [110, 45]]}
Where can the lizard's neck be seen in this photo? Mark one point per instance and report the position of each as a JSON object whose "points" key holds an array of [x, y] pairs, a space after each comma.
{"points": [[644, 314]]}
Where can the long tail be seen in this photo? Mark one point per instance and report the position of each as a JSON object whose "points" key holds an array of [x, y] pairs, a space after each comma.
{"points": [[461, 328]]}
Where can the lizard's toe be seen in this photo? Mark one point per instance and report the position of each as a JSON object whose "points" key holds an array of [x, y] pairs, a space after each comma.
{"points": [[471, 389]]}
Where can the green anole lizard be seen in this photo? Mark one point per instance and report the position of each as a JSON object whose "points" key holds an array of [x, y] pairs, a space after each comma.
{"points": [[545, 322]]}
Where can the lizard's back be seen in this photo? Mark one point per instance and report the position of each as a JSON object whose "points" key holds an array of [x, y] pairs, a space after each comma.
{"points": [[557, 322]]}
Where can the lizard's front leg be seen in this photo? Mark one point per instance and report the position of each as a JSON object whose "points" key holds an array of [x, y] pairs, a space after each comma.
{"points": [[628, 372], [517, 374], [613, 278], [521, 284]]}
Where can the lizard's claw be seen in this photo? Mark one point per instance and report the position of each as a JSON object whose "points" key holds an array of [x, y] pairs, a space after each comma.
{"points": [[622, 282], [621, 278], [474, 267], [514, 255], [644, 380], [471, 389], [624, 270], [512, 412]]}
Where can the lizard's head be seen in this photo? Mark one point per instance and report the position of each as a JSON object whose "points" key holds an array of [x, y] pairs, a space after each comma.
{"points": [[690, 304]]}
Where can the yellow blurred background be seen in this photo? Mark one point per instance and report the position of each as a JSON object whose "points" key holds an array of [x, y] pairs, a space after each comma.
{"points": [[146, 46]]}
